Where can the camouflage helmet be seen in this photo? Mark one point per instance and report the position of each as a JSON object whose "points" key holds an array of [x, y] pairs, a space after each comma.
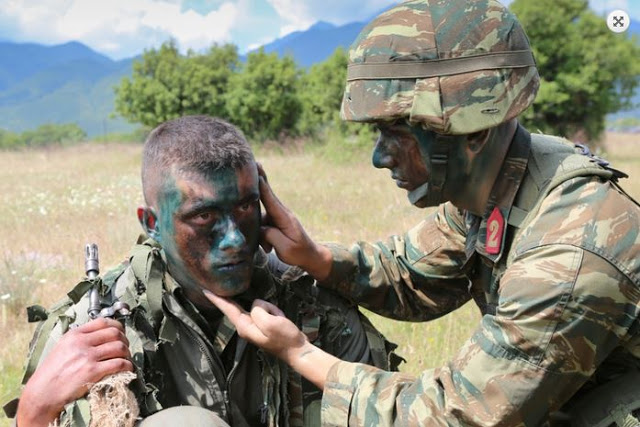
{"points": [[454, 66]]}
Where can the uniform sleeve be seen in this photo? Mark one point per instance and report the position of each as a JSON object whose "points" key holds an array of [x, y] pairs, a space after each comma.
{"points": [[561, 312], [75, 414], [418, 276]]}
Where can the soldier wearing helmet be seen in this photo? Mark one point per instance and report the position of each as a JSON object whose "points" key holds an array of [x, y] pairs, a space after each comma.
{"points": [[531, 227]]}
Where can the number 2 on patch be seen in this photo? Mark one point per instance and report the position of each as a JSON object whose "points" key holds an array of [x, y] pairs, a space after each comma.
{"points": [[495, 225]]}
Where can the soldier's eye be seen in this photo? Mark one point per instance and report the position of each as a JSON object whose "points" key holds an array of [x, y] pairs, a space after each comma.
{"points": [[248, 205], [203, 218]]}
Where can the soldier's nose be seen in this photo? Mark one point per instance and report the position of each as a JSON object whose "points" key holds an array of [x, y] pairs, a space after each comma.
{"points": [[233, 238], [381, 157]]}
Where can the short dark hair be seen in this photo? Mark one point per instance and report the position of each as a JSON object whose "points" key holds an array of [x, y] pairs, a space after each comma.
{"points": [[192, 143]]}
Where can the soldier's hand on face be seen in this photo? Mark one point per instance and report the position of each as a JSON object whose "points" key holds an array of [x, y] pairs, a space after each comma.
{"points": [[282, 231], [267, 327], [82, 357]]}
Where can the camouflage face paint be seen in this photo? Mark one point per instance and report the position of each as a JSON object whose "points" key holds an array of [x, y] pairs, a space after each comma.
{"points": [[399, 149], [474, 163], [209, 227], [407, 150]]}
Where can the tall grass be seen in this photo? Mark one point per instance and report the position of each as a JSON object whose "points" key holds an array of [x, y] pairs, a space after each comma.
{"points": [[54, 201]]}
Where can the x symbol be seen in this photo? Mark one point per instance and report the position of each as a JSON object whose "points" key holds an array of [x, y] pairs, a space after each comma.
{"points": [[618, 21]]}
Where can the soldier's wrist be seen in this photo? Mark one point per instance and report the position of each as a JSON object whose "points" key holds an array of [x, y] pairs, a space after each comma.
{"points": [[312, 363], [35, 409], [34, 413], [319, 263]]}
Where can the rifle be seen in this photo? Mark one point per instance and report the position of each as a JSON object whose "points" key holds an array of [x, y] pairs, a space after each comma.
{"points": [[111, 402], [97, 308]]}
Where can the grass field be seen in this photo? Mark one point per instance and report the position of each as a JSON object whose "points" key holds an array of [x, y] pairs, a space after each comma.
{"points": [[54, 201]]}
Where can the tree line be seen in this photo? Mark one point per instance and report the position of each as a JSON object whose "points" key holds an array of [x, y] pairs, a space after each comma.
{"points": [[586, 73], [44, 135], [265, 95]]}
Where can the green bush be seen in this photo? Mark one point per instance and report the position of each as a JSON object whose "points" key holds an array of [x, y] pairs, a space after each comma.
{"points": [[586, 70], [321, 89], [262, 98], [166, 84], [44, 135], [345, 142]]}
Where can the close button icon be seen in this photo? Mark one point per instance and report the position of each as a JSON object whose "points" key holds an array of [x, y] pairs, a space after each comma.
{"points": [[618, 21]]}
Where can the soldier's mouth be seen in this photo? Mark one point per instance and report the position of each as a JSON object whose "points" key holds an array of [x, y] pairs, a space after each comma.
{"points": [[401, 182], [231, 266]]}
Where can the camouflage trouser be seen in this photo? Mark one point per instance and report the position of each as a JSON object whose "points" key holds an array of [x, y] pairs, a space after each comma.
{"points": [[188, 416]]}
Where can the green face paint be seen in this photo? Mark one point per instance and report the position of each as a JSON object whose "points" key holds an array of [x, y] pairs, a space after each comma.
{"points": [[398, 150], [209, 225], [422, 162]]}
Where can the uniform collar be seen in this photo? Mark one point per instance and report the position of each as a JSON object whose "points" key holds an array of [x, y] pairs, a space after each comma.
{"points": [[487, 234]]}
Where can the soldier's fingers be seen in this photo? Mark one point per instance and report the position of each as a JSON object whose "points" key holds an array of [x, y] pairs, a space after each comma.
{"points": [[99, 323], [267, 323], [229, 308], [249, 330], [261, 171], [263, 241], [274, 237], [276, 211], [110, 334], [280, 333], [240, 318], [113, 366], [112, 350], [268, 307]]}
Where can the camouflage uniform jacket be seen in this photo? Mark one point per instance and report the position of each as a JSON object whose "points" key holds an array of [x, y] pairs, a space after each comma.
{"points": [[558, 287], [180, 358]]}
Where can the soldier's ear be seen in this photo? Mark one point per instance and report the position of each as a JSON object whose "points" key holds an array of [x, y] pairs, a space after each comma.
{"points": [[149, 221], [477, 140]]}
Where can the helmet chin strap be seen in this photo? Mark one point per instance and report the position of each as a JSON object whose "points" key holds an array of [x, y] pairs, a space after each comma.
{"points": [[418, 196], [431, 192]]}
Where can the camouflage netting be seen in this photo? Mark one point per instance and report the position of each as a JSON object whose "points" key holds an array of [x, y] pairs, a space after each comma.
{"points": [[112, 403], [457, 67]]}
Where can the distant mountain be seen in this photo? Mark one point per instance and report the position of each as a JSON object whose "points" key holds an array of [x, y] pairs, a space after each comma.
{"points": [[319, 41], [71, 83], [316, 43], [68, 83], [22, 60]]}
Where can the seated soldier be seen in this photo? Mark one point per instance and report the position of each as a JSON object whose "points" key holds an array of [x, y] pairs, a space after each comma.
{"points": [[202, 218]]}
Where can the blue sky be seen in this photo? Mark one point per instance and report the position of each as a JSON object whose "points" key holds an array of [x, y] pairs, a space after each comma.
{"points": [[123, 28]]}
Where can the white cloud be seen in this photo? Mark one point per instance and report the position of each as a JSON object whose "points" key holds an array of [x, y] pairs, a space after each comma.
{"points": [[119, 27], [257, 44], [292, 11], [300, 14], [122, 28]]}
